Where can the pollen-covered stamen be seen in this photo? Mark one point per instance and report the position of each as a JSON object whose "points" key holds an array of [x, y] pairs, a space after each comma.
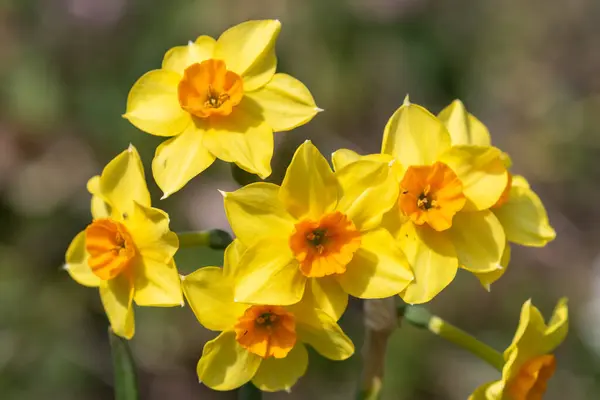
{"points": [[326, 246], [268, 331], [208, 88], [532, 379], [110, 247], [431, 194]]}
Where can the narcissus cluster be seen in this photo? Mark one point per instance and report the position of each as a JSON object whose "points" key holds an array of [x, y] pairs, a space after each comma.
{"points": [[437, 198]]}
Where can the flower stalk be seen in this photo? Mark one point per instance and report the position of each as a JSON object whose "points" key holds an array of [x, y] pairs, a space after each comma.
{"points": [[216, 239]]}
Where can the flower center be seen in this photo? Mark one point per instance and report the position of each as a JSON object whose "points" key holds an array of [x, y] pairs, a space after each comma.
{"points": [[532, 379], [208, 88], [110, 248], [505, 194], [431, 194], [326, 246], [268, 331]]}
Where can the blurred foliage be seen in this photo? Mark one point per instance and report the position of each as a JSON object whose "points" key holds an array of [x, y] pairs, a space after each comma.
{"points": [[529, 70]]}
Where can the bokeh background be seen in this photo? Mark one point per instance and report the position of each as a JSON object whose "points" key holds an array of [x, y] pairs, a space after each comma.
{"points": [[528, 69]]}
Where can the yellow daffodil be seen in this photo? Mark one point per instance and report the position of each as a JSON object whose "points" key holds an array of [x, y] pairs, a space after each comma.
{"points": [[519, 209], [319, 231], [127, 251], [265, 344], [218, 99], [529, 362], [441, 218]]}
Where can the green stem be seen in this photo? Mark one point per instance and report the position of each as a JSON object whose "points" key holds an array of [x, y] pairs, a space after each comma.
{"points": [[249, 392], [215, 239], [421, 318], [123, 368]]}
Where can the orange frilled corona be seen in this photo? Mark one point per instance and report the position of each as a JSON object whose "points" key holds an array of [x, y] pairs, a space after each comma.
{"points": [[208, 88], [532, 379], [110, 246], [267, 331], [324, 247], [431, 194]]}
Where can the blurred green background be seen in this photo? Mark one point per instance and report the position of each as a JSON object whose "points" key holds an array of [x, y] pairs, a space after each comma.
{"points": [[528, 69]]}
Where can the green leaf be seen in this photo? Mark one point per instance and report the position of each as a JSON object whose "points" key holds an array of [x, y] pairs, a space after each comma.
{"points": [[124, 368]]}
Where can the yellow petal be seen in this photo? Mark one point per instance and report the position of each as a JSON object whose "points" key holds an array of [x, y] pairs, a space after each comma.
{"points": [[123, 183], [100, 208], [276, 374], [242, 137], [464, 128], [487, 278], [488, 391], [225, 365], [370, 190], [149, 228], [285, 103], [153, 105], [268, 273], [180, 159], [524, 217], [342, 157], [378, 269], [179, 58], [117, 298], [232, 257], [77, 265], [310, 188], [479, 240], [210, 295], [432, 258], [255, 212], [248, 49], [326, 294], [316, 328], [414, 136], [156, 284], [482, 173]]}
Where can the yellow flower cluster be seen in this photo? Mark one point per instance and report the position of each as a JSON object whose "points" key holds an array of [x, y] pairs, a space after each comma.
{"points": [[438, 197]]}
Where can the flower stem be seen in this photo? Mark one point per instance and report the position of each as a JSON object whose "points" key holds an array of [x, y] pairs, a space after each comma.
{"points": [[249, 392], [215, 239], [123, 368], [421, 318]]}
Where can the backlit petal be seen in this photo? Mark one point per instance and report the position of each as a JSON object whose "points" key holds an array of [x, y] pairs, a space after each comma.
{"points": [[243, 137], [149, 228], [123, 183], [156, 284], [310, 188], [488, 391], [180, 159], [415, 136], [225, 365], [524, 217], [479, 240], [77, 265], [117, 298], [232, 256], [378, 269], [433, 260], [210, 295], [248, 49], [179, 58], [369, 190], [153, 106], [268, 273], [255, 212], [316, 328], [276, 374], [285, 103], [342, 157], [482, 173], [487, 278], [464, 128], [326, 294], [100, 208]]}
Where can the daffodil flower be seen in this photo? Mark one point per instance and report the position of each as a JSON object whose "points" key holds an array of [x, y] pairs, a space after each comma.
{"points": [[317, 233], [127, 251], [441, 218], [529, 362], [218, 99], [265, 344], [519, 209]]}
